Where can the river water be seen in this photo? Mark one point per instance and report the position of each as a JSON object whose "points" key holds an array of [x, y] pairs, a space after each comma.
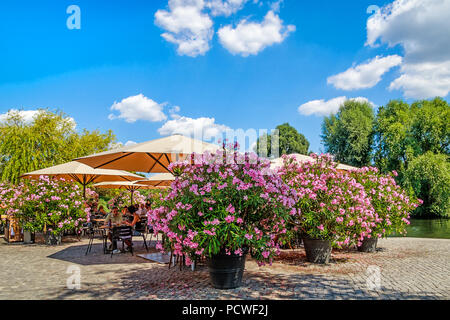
{"points": [[429, 228]]}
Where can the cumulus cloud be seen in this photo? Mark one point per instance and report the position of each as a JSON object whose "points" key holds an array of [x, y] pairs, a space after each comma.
{"points": [[203, 128], [187, 26], [252, 37], [136, 108], [130, 143], [365, 75], [29, 115], [325, 108], [421, 28], [26, 115], [424, 80], [225, 7]]}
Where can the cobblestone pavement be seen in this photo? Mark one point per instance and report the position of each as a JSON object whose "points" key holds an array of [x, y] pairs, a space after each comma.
{"points": [[409, 268]]}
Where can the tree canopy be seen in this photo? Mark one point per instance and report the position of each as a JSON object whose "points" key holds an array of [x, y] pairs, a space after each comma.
{"points": [[49, 139], [428, 176], [348, 135], [403, 132], [288, 138]]}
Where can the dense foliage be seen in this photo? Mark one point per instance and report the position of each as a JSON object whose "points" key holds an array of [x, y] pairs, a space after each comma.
{"points": [[49, 139], [288, 140], [348, 135], [428, 176], [392, 206], [224, 202], [344, 207], [401, 133], [331, 204], [44, 205], [123, 199]]}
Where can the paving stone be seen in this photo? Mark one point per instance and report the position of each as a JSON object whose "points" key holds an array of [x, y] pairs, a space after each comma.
{"points": [[410, 268]]}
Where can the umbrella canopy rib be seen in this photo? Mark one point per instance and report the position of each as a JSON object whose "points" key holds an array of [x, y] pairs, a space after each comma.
{"points": [[157, 161], [113, 160]]}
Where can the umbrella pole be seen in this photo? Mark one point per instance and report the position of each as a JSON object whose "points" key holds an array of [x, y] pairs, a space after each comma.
{"points": [[84, 191], [132, 191]]}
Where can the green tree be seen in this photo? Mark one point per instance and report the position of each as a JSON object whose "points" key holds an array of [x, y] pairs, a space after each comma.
{"points": [[403, 132], [49, 139], [393, 143], [348, 135], [286, 138], [428, 176], [430, 128]]}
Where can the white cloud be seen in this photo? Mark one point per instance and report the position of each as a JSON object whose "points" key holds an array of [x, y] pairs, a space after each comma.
{"points": [[174, 112], [29, 115], [187, 26], [225, 7], [421, 27], [325, 108], [424, 80], [26, 115], [365, 75], [138, 107], [251, 37], [275, 6], [130, 143], [204, 128]]}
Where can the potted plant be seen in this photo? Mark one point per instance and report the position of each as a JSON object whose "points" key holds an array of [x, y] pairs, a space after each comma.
{"points": [[334, 209], [391, 205], [223, 206], [50, 206]]}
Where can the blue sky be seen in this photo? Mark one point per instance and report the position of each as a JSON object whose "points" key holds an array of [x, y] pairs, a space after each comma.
{"points": [[248, 67]]}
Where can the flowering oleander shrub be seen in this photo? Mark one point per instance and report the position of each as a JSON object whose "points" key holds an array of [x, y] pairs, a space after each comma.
{"points": [[123, 199], [45, 205], [10, 197], [223, 203], [391, 204], [332, 205]]}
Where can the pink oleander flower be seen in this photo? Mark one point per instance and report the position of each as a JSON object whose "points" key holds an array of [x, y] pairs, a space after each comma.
{"points": [[229, 219]]}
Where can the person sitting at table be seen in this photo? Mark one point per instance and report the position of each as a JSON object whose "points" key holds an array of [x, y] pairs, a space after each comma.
{"points": [[102, 212], [113, 218], [141, 210], [133, 218]]}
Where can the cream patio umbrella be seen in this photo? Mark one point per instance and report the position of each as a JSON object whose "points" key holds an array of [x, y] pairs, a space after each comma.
{"points": [[278, 162], [158, 180], [127, 185], [83, 174], [151, 156]]}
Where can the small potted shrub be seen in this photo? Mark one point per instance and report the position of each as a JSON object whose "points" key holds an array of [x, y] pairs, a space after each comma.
{"points": [[223, 206], [391, 205], [333, 209]]}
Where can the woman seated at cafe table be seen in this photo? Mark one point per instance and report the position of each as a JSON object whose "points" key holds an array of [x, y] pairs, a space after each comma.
{"points": [[133, 219], [102, 212], [114, 218]]}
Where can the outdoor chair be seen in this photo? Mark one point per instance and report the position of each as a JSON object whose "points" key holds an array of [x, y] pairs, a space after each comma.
{"points": [[123, 233], [140, 227], [89, 231], [150, 231]]}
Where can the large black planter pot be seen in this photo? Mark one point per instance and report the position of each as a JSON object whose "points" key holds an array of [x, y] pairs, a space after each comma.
{"points": [[317, 251], [368, 245], [226, 271], [51, 239]]}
